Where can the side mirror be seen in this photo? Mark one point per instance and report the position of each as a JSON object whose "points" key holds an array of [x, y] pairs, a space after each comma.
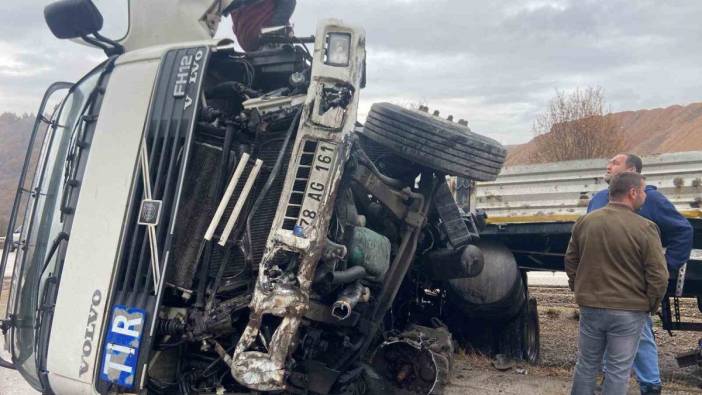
{"points": [[73, 18]]}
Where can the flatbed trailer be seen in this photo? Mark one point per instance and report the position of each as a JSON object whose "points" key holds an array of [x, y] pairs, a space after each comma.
{"points": [[541, 247], [531, 210]]}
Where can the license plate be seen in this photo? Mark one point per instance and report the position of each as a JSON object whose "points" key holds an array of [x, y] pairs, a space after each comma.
{"points": [[121, 351], [324, 160]]}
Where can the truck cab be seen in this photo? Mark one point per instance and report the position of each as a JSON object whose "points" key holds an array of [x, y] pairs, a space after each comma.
{"points": [[202, 219], [102, 169]]}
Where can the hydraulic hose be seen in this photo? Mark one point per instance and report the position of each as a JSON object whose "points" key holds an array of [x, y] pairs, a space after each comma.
{"points": [[345, 276]]}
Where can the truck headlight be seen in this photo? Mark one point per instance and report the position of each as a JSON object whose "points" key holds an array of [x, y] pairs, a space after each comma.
{"points": [[338, 49]]}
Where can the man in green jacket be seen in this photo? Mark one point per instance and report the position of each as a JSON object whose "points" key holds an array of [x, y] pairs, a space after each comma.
{"points": [[616, 267]]}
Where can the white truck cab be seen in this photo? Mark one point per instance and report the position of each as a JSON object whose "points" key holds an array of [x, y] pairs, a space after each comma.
{"points": [[78, 319], [204, 220]]}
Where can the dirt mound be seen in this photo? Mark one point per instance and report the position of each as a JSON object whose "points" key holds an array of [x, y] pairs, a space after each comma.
{"points": [[647, 132]]}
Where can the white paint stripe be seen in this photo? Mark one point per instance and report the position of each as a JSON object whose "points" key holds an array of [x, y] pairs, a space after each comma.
{"points": [[240, 202], [227, 196]]}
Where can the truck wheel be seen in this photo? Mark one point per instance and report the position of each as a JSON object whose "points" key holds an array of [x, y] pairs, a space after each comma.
{"points": [[519, 338], [434, 142], [532, 351]]}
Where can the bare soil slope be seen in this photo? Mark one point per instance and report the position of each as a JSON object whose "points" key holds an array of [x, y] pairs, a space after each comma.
{"points": [[661, 130]]}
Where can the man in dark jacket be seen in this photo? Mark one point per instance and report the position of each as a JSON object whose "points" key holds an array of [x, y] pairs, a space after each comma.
{"points": [[616, 267], [250, 16], [676, 236]]}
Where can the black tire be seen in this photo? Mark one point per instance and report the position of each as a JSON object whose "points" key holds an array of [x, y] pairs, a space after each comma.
{"points": [[516, 337], [434, 142], [519, 338], [532, 351]]}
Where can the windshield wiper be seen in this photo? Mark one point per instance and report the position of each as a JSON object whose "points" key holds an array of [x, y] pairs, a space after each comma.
{"points": [[42, 307], [62, 236]]}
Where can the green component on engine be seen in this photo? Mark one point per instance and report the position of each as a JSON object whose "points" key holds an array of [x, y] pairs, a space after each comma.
{"points": [[370, 250]]}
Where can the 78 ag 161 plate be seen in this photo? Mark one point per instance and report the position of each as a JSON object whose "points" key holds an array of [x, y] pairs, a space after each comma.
{"points": [[318, 183]]}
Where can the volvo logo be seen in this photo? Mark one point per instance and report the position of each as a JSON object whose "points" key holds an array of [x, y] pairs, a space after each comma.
{"points": [[150, 212], [90, 332], [188, 72]]}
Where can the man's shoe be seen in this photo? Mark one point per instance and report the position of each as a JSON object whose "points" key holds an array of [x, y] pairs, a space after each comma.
{"points": [[650, 389]]}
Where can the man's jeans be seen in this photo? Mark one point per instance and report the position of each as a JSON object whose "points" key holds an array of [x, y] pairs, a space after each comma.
{"points": [[618, 333], [646, 361]]}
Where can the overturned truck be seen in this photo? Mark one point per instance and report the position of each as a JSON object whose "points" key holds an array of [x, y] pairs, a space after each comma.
{"points": [[203, 220]]}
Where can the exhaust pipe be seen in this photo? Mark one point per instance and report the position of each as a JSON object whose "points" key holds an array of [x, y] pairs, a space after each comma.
{"points": [[348, 299]]}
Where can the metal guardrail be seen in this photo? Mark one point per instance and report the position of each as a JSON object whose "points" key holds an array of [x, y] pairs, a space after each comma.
{"points": [[560, 192]]}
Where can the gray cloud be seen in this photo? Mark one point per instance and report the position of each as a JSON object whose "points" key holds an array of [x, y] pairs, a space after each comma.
{"points": [[493, 63]]}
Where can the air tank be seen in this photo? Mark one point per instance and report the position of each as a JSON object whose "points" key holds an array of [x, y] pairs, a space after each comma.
{"points": [[497, 292]]}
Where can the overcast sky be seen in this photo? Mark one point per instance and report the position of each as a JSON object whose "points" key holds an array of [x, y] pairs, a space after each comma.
{"points": [[495, 63]]}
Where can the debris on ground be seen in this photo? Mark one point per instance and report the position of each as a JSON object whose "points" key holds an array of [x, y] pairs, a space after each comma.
{"points": [[521, 371], [503, 362]]}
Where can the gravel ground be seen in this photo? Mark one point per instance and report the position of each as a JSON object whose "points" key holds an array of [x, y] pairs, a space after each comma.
{"points": [[559, 334]]}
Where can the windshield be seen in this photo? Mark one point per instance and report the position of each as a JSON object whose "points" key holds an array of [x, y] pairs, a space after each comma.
{"points": [[42, 224]]}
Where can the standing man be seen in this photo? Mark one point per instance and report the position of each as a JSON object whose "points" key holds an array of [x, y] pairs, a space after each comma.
{"points": [[676, 236], [250, 16], [616, 267]]}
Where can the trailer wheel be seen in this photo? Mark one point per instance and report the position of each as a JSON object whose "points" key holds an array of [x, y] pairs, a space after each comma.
{"points": [[532, 349], [519, 338], [434, 142]]}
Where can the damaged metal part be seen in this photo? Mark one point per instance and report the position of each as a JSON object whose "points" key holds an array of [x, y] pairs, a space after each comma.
{"points": [[453, 222], [330, 108], [289, 300], [415, 218], [418, 360], [395, 200], [348, 299]]}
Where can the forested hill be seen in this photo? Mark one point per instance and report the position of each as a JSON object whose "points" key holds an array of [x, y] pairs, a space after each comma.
{"points": [[15, 131]]}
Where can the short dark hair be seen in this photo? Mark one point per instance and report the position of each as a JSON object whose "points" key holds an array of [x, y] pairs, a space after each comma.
{"points": [[622, 183], [634, 161]]}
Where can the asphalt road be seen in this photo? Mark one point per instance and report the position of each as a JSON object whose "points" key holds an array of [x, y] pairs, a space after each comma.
{"points": [[12, 383], [547, 279]]}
